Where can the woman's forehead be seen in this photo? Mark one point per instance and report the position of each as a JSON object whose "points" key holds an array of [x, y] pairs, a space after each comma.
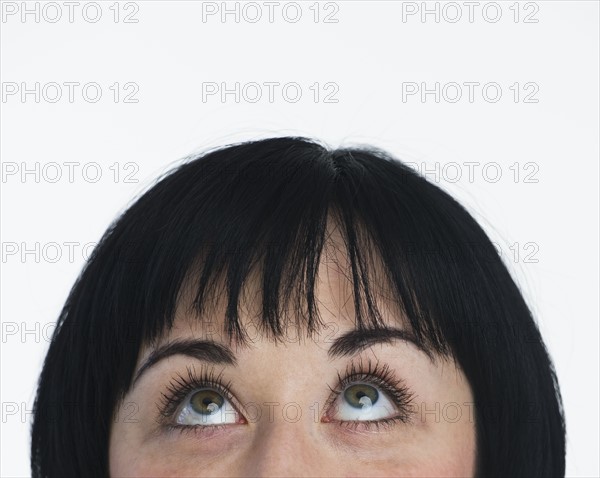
{"points": [[334, 300]]}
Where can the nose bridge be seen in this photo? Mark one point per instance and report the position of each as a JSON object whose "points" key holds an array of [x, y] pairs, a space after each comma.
{"points": [[283, 446], [286, 416]]}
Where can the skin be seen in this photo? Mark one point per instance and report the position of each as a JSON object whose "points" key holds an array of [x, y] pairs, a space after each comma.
{"points": [[287, 424]]}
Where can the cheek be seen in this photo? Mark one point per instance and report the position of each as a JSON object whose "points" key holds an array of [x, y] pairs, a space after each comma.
{"points": [[416, 461], [144, 466], [447, 461], [135, 452], [449, 451], [157, 463], [434, 448], [439, 455], [438, 448], [124, 456]]}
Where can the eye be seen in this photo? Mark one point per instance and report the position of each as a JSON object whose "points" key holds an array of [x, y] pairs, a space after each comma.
{"points": [[198, 401], [362, 401], [206, 407], [369, 394]]}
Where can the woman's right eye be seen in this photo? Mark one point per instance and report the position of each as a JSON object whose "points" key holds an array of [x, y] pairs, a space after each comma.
{"points": [[206, 407]]}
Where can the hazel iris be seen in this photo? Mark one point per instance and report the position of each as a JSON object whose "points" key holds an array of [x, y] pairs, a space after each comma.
{"points": [[206, 402], [361, 396]]}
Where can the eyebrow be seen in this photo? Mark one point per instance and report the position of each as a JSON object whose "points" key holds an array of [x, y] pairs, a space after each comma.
{"points": [[205, 350], [348, 344], [352, 342]]}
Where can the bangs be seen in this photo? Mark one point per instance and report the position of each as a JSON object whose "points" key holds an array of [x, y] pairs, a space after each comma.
{"points": [[262, 209]]}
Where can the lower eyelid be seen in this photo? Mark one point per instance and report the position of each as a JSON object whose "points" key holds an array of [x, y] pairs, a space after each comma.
{"points": [[371, 426], [199, 430]]}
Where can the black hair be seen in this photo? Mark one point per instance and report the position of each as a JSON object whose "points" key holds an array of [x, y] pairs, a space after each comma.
{"points": [[267, 202]]}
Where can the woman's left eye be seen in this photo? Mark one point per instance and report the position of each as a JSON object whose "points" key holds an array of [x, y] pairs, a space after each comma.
{"points": [[206, 407], [361, 401]]}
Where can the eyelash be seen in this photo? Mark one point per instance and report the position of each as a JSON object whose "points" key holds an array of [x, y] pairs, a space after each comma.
{"points": [[375, 373], [371, 372], [178, 390]]}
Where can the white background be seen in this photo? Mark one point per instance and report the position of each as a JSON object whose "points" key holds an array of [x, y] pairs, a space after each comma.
{"points": [[368, 58]]}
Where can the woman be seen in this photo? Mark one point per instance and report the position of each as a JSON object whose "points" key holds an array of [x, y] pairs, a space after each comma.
{"points": [[277, 308]]}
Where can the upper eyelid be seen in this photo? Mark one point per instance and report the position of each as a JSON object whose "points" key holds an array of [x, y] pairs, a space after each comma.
{"points": [[371, 367], [362, 377]]}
